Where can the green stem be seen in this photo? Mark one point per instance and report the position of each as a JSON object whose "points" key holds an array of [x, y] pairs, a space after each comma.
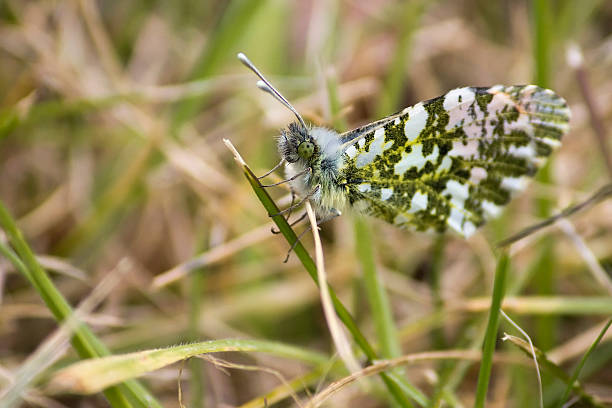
{"points": [[491, 334], [574, 377], [84, 341], [376, 293]]}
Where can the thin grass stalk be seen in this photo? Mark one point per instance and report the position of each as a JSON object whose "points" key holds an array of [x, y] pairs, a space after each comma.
{"points": [[545, 363], [377, 295], [543, 269], [437, 333], [196, 380], [574, 377], [398, 387], [84, 341], [490, 339], [339, 338]]}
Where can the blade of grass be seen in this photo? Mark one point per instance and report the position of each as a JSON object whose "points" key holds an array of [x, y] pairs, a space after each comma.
{"points": [[56, 344], [196, 380], [376, 293], [84, 341], [90, 376], [398, 387], [437, 333], [576, 372], [490, 339], [339, 338], [543, 269], [554, 369]]}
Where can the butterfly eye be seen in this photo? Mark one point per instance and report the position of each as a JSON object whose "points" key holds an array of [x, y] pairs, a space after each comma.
{"points": [[306, 150]]}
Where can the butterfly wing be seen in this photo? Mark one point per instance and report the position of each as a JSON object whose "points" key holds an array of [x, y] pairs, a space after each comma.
{"points": [[455, 160], [355, 134]]}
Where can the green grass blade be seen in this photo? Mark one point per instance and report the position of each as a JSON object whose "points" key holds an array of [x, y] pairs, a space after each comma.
{"points": [[543, 269], [542, 31], [552, 368], [576, 372], [491, 334], [196, 366], [84, 341], [91, 376], [377, 295]]}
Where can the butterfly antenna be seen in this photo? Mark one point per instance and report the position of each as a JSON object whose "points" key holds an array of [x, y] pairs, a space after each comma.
{"points": [[266, 86]]}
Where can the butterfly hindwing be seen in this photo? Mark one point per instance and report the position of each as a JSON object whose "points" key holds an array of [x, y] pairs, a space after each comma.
{"points": [[455, 160]]}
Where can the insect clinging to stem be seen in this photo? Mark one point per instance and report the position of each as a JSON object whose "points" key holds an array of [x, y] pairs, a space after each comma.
{"points": [[451, 162]]}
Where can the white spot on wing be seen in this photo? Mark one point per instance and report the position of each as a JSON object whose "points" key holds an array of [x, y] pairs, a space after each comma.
{"points": [[458, 96], [457, 190], [455, 220], [446, 164], [514, 183], [377, 147], [415, 158], [351, 151], [364, 188], [417, 119], [491, 210], [457, 103], [418, 203], [467, 150], [525, 152], [477, 174], [385, 193]]}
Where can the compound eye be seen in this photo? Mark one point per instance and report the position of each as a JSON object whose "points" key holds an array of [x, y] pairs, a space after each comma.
{"points": [[306, 150]]}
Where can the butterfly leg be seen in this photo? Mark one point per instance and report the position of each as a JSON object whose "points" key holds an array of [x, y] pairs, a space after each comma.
{"points": [[293, 195], [333, 214], [273, 169], [300, 174], [288, 209], [292, 224]]}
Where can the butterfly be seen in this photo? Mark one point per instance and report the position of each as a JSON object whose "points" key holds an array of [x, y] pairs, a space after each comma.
{"points": [[451, 162]]}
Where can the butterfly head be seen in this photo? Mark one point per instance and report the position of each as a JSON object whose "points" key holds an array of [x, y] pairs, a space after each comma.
{"points": [[297, 144]]}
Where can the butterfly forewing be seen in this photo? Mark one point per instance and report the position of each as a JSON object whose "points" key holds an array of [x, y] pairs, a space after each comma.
{"points": [[455, 160]]}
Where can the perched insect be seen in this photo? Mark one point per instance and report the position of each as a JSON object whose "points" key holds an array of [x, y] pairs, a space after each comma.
{"points": [[452, 161]]}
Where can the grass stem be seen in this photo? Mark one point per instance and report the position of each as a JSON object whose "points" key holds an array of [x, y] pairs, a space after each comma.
{"points": [[490, 339]]}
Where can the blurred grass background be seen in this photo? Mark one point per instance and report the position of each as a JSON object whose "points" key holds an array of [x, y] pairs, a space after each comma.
{"points": [[112, 116]]}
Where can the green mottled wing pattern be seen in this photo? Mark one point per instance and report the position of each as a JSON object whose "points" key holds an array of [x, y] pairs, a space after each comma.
{"points": [[453, 161]]}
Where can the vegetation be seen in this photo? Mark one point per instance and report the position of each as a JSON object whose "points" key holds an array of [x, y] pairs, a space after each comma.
{"points": [[131, 240]]}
